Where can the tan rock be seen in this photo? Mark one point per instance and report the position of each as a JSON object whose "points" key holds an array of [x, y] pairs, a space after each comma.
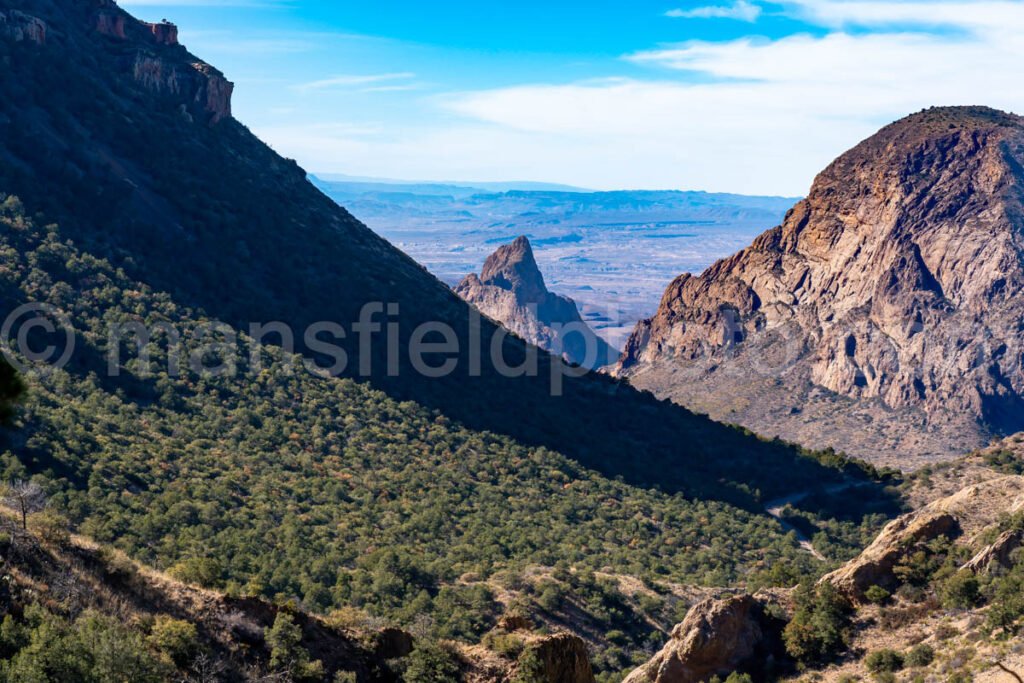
{"points": [[895, 284], [715, 638], [998, 553], [510, 290], [559, 658], [874, 566]]}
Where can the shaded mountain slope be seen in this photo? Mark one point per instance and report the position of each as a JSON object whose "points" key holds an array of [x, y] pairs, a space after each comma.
{"points": [[327, 492], [510, 289], [124, 138], [881, 316]]}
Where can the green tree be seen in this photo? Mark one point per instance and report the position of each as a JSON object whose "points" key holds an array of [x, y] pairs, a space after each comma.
{"points": [[287, 655], [819, 629], [431, 663], [961, 591], [12, 389]]}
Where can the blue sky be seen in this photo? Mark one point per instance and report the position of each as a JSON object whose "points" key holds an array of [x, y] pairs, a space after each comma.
{"points": [[729, 95]]}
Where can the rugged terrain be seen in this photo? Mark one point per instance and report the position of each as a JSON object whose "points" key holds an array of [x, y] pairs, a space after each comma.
{"points": [[880, 317], [936, 596], [510, 289], [612, 252], [129, 195]]}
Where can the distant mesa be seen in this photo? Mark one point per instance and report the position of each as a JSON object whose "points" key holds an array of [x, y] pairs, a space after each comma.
{"points": [[510, 289]]}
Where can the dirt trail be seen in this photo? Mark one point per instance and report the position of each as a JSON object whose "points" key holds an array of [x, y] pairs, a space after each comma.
{"points": [[776, 506]]}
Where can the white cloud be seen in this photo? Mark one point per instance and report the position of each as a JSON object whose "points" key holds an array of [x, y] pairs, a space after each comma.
{"points": [[966, 14], [350, 80], [762, 117], [741, 10]]}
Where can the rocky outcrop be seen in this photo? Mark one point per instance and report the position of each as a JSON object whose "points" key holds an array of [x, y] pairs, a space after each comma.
{"points": [[202, 90], [559, 658], [392, 643], [111, 23], [895, 284], [510, 289], [164, 33], [18, 26], [874, 566], [998, 553], [716, 638]]}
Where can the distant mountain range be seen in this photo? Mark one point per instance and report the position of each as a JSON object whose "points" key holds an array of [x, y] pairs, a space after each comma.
{"points": [[455, 187], [612, 252]]}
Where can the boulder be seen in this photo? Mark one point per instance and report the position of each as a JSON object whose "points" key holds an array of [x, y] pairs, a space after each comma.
{"points": [[998, 553], [716, 638], [559, 658], [874, 566]]}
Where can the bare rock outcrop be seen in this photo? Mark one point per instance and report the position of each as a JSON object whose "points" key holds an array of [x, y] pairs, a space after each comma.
{"points": [[998, 553], [558, 658], [510, 289], [164, 33], [19, 26], [715, 638], [111, 23], [894, 288], [874, 566]]}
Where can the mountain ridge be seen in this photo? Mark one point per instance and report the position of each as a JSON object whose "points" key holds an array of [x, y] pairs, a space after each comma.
{"points": [[889, 288]]}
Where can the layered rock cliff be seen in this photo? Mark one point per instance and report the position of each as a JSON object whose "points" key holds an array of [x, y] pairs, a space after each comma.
{"points": [[152, 56], [883, 313], [510, 289]]}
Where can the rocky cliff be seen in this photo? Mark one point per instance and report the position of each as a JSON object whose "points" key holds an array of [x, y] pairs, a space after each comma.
{"points": [[883, 313], [716, 638], [151, 55], [510, 289]]}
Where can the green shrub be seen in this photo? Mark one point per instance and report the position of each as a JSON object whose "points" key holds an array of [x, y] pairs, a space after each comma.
{"points": [[287, 655], [961, 591], [175, 638], [819, 629], [431, 663], [920, 655], [877, 595], [884, 661]]}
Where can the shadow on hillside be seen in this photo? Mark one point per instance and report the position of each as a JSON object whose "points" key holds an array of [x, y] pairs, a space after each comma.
{"points": [[227, 227]]}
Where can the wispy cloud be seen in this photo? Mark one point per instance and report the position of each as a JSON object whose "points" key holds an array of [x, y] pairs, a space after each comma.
{"points": [[741, 10], [966, 14], [357, 80]]}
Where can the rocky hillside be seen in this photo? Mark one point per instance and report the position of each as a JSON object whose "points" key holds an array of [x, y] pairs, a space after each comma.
{"points": [[510, 289], [142, 166], [76, 610], [936, 596], [880, 317], [130, 196]]}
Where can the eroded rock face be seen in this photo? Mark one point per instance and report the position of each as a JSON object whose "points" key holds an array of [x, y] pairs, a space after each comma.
{"points": [[874, 566], [510, 289], [897, 281], [998, 553], [18, 26], [161, 65], [559, 658], [164, 33], [715, 638], [111, 23]]}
